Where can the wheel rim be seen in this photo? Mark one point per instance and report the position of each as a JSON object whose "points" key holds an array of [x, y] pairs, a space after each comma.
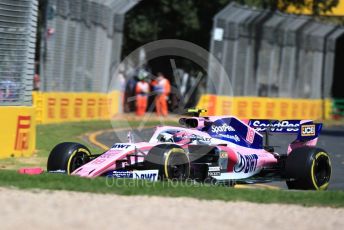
{"points": [[178, 169], [77, 161], [322, 170]]}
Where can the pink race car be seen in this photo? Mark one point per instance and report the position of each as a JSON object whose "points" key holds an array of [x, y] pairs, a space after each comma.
{"points": [[216, 149]]}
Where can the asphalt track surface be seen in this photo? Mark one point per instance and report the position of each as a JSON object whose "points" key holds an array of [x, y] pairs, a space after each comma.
{"points": [[331, 140]]}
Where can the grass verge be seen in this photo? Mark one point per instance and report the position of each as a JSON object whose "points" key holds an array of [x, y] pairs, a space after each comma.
{"points": [[102, 185]]}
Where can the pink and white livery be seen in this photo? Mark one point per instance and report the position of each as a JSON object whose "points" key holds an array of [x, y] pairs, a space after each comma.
{"points": [[216, 149]]}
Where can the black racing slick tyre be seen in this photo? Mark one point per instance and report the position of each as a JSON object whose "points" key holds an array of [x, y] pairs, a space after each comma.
{"points": [[171, 161], [67, 156], [308, 168]]}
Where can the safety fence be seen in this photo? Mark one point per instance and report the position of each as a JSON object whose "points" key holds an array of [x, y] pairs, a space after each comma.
{"points": [[266, 108], [271, 54], [18, 22], [82, 44]]}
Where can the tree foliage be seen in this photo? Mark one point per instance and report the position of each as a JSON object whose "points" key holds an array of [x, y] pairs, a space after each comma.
{"points": [[317, 7], [161, 19]]}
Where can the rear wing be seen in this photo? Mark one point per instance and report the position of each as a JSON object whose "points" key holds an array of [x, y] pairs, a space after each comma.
{"points": [[305, 129]]}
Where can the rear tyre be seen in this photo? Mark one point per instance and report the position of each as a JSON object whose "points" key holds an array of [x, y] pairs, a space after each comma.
{"points": [[67, 156], [308, 168], [171, 161]]}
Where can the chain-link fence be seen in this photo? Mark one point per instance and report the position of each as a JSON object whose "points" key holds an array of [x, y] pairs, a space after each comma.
{"points": [[81, 44], [18, 22], [274, 54]]}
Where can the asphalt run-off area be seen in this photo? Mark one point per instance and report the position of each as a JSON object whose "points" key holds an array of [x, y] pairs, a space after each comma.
{"points": [[331, 140]]}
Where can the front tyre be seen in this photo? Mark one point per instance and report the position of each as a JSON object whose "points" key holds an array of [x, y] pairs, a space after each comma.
{"points": [[171, 161], [67, 156], [308, 168]]}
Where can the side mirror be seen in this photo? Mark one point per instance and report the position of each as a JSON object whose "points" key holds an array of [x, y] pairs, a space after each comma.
{"points": [[161, 137], [164, 137]]}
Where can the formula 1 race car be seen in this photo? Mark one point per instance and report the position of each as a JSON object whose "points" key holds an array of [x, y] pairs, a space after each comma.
{"points": [[216, 149]]}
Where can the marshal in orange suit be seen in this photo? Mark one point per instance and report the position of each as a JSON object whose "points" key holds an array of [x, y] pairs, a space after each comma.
{"points": [[162, 89], [141, 90]]}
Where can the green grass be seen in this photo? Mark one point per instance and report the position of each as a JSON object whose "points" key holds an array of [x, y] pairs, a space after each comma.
{"points": [[169, 189], [49, 135]]}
